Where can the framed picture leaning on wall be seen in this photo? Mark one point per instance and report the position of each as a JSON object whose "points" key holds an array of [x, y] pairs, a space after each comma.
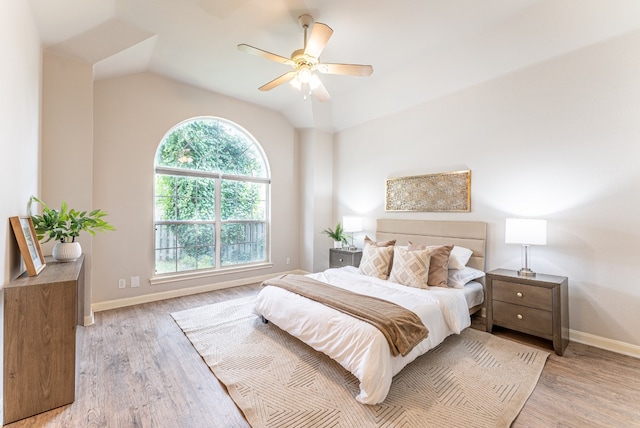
{"points": [[28, 244]]}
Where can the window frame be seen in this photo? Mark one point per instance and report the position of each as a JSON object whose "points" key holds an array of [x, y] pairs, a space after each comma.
{"points": [[218, 222]]}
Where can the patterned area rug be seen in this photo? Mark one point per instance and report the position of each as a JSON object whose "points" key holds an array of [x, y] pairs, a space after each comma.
{"points": [[473, 379]]}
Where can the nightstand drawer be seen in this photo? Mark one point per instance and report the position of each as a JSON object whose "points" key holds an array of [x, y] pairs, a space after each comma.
{"points": [[520, 294], [342, 258], [522, 318]]}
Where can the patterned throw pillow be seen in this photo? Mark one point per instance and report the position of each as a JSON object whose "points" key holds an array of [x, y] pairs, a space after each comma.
{"points": [[439, 265], [411, 267], [376, 261]]}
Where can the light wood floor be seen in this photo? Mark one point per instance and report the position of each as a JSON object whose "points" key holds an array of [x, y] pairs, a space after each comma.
{"points": [[137, 369]]}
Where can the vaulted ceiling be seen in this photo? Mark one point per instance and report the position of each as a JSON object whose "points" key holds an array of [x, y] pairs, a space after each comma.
{"points": [[420, 49]]}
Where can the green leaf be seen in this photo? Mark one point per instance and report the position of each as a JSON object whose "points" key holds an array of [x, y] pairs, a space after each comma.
{"points": [[64, 225]]}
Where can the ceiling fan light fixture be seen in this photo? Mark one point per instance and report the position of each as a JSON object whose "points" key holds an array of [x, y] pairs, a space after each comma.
{"points": [[314, 82], [304, 75], [295, 82]]}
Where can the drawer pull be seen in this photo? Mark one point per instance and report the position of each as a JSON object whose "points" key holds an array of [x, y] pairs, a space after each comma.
{"points": [[341, 260], [519, 294], [519, 316]]}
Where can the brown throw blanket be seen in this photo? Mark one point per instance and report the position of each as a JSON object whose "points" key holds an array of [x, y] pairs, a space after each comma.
{"points": [[402, 328]]}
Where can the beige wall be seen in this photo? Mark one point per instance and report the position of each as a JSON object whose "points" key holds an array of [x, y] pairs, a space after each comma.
{"points": [[316, 195], [67, 149], [559, 140], [19, 127], [131, 116]]}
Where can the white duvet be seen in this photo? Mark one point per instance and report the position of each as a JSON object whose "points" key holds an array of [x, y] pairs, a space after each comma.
{"points": [[356, 345]]}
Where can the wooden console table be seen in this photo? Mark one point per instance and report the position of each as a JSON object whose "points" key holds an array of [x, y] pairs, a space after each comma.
{"points": [[40, 318]]}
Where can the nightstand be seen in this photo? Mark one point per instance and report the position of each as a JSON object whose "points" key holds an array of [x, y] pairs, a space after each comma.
{"points": [[342, 257], [537, 305]]}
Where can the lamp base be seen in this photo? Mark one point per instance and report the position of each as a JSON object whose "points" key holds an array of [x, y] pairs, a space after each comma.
{"points": [[526, 272]]}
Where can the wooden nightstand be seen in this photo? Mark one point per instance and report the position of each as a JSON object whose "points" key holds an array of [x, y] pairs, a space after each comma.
{"points": [[536, 305], [341, 257]]}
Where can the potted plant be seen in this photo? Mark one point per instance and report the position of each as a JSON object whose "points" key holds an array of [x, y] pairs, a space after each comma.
{"points": [[338, 236], [64, 225]]}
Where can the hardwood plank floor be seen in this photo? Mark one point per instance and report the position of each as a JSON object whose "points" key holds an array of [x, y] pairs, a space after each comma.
{"points": [[137, 369]]}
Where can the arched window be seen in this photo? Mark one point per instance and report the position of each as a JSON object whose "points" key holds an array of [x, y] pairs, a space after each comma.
{"points": [[211, 198]]}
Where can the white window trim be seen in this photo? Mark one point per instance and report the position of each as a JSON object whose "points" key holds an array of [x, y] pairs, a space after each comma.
{"points": [[207, 273]]}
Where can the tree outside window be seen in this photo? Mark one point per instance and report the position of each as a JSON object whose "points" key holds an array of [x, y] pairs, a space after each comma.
{"points": [[211, 198]]}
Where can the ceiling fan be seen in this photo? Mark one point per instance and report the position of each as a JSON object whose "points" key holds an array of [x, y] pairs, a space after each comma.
{"points": [[306, 61]]}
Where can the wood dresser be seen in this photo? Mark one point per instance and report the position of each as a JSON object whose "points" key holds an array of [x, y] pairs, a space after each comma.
{"points": [[40, 318], [536, 305]]}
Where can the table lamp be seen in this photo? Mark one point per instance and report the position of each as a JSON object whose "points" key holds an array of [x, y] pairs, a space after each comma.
{"points": [[352, 224], [527, 232]]}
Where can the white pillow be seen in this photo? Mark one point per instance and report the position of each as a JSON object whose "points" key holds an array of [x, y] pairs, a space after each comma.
{"points": [[457, 278], [459, 257]]}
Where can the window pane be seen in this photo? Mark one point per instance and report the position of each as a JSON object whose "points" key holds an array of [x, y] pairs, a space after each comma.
{"points": [[243, 243], [195, 246], [166, 260], [212, 145], [189, 146], [165, 208], [165, 245], [206, 258], [186, 261], [243, 200], [205, 199], [184, 198]]}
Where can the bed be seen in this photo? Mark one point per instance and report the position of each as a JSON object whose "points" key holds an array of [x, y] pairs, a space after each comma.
{"points": [[360, 347]]}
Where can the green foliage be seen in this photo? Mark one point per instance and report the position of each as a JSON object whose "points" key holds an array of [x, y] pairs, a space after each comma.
{"points": [[65, 224], [338, 234], [211, 145]]}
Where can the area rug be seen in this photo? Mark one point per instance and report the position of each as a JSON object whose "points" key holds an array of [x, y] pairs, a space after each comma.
{"points": [[472, 379]]}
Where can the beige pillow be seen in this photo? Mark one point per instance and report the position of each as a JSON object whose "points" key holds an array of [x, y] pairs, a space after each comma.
{"points": [[376, 261], [439, 264], [369, 241], [411, 268]]}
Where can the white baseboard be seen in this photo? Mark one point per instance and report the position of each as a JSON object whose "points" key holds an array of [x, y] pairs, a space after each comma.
{"points": [[604, 343], [88, 320], [154, 297]]}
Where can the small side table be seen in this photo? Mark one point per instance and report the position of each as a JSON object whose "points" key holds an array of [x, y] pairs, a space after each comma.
{"points": [[343, 257], [537, 305]]}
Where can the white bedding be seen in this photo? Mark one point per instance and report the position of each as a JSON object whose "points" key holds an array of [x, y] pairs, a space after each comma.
{"points": [[356, 345]]}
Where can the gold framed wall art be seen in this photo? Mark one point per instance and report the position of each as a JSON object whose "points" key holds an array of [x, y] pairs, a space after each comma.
{"points": [[442, 192]]}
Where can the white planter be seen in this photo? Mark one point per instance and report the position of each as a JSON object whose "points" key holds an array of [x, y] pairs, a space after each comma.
{"points": [[337, 244], [66, 251]]}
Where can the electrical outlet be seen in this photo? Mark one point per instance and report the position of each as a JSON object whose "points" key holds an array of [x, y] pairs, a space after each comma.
{"points": [[122, 283], [135, 281], [288, 260]]}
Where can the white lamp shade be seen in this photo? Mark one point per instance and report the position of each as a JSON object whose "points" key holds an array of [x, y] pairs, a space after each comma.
{"points": [[352, 223], [525, 231]]}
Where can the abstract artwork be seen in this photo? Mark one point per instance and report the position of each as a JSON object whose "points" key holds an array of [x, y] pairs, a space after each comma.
{"points": [[444, 192]]}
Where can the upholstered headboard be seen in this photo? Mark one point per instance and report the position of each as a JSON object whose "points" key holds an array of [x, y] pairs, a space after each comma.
{"points": [[468, 234]]}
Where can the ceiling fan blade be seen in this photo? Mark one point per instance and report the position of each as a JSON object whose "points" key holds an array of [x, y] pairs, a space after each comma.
{"points": [[318, 39], [278, 81], [264, 54], [320, 92], [346, 69]]}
